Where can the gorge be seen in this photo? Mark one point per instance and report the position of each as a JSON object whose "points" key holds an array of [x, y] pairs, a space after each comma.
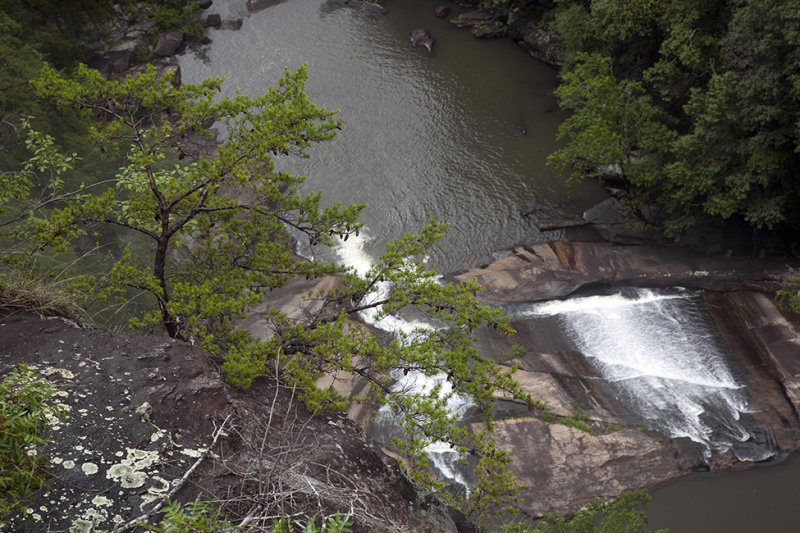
{"points": [[459, 134], [656, 362]]}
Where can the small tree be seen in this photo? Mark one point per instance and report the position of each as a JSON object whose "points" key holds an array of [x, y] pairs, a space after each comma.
{"points": [[226, 214]]}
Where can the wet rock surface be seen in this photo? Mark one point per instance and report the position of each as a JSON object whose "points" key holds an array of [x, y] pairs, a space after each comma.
{"points": [[544, 271], [149, 417], [563, 468]]}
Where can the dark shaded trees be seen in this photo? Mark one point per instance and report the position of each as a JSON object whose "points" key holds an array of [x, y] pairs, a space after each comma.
{"points": [[696, 104]]}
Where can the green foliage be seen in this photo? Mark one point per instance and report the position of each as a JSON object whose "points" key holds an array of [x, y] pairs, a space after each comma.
{"points": [[337, 523], [789, 296], [238, 246], [199, 516], [225, 216], [625, 514], [177, 15], [24, 414], [576, 420], [696, 103], [614, 128]]}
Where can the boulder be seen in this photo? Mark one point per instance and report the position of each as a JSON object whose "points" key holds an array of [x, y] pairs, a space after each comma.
{"points": [[162, 67], [110, 63], [609, 219], [441, 11], [420, 37], [545, 45], [472, 18], [491, 30], [254, 6], [374, 7], [212, 21], [204, 4], [168, 43], [231, 24]]}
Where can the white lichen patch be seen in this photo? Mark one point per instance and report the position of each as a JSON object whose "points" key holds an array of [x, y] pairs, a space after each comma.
{"points": [[89, 468], [130, 472], [102, 501], [81, 526], [126, 476], [63, 372], [140, 459], [193, 453], [159, 433], [147, 499], [69, 465]]}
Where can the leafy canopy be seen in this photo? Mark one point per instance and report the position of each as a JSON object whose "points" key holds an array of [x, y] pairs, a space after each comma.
{"points": [[695, 103]]}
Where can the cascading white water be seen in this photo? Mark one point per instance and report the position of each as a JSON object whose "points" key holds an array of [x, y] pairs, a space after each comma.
{"points": [[443, 457], [659, 356]]}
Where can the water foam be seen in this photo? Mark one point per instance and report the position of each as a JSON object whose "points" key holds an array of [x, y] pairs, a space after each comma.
{"points": [[444, 458], [658, 355]]}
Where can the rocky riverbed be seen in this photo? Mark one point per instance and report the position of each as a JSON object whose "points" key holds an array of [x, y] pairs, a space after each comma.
{"points": [[563, 468]]}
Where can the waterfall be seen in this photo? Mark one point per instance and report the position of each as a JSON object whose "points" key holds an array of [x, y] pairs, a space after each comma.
{"points": [[442, 456], [658, 353]]}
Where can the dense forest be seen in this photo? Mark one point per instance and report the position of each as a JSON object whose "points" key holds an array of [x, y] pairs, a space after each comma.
{"points": [[688, 110], [692, 109]]}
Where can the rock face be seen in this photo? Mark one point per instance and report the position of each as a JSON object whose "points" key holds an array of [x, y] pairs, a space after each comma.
{"points": [[562, 468], [542, 44], [231, 24], [150, 418], [543, 271], [168, 43], [110, 63], [441, 11]]}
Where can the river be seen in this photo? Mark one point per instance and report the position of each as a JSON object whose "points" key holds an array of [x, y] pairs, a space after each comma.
{"points": [[424, 135], [461, 135]]}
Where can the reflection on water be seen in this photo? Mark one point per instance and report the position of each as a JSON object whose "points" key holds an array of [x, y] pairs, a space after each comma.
{"points": [[424, 135], [762, 499]]}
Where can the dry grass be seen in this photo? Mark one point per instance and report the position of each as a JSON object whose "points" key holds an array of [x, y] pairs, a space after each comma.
{"points": [[35, 294]]}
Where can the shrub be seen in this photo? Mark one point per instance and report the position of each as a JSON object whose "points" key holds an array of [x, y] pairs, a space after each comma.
{"points": [[24, 414]]}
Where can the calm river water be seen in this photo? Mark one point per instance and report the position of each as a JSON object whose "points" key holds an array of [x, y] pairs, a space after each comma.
{"points": [[460, 135], [424, 136]]}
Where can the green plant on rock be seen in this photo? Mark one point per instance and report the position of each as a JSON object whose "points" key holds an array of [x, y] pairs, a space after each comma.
{"points": [[24, 415], [625, 513], [198, 516]]}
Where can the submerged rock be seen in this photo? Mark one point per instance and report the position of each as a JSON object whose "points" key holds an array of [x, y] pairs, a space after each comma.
{"points": [[421, 37]]}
